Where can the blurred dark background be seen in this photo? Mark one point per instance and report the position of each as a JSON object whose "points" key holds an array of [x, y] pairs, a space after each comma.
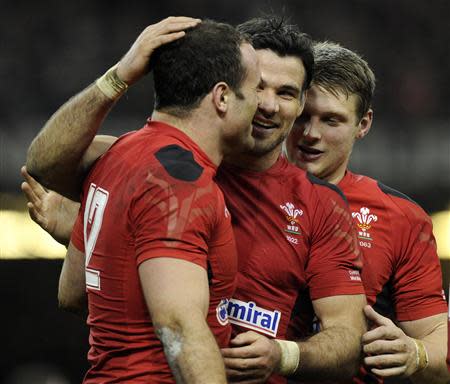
{"points": [[52, 49]]}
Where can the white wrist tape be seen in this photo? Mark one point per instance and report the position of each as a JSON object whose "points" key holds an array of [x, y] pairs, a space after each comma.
{"points": [[111, 85], [290, 357], [421, 355]]}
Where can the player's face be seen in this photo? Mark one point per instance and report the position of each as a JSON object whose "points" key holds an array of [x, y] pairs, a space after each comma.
{"points": [[322, 138], [246, 104], [280, 100]]}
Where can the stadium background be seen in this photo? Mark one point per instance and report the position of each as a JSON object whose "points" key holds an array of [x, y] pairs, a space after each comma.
{"points": [[52, 49]]}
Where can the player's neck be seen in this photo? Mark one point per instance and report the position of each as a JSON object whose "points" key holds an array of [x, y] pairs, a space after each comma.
{"points": [[336, 177], [255, 162], [198, 131]]}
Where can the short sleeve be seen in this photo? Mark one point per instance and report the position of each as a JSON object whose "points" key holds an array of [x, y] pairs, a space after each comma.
{"points": [[335, 264], [417, 280], [173, 220]]}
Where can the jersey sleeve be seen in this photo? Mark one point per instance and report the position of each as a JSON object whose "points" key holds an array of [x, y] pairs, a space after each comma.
{"points": [[173, 219], [77, 236], [417, 280], [334, 265]]}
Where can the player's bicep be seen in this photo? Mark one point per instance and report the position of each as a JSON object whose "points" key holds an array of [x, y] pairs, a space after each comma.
{"points": [[341, 311], [72, 285], [97, 148], [173, 289]]}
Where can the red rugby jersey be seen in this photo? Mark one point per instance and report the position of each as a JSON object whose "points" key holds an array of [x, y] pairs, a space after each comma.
{"points": [[293, 234], [402, 274], [151, 195]]}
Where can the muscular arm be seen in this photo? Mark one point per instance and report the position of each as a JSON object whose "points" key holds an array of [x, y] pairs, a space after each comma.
{"points": [[432, 331], [72, 285], [334, 352], [55, 156], [177, 296], [392, 351]]}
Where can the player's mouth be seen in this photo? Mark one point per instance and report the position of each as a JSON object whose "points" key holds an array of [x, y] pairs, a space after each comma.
{"points": [[307, 153], [262, 126]]}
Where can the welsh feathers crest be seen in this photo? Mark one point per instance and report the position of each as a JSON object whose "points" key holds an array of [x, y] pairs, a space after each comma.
{"points": [[364, 218], [291, 212]]}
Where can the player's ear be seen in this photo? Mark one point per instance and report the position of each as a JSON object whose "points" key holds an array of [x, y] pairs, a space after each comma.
{"points": [[365, 124], [221, 97]]}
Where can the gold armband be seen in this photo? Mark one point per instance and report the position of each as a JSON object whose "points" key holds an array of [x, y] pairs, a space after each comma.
{"points": [[290, 357], [111, 85], [422, 355]]}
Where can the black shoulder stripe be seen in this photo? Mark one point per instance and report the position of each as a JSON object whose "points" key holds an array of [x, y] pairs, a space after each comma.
{"points": [[315, 180], [179, 163], [394, 192]]}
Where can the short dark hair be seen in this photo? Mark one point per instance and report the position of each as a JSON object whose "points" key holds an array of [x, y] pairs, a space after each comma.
{"points": [[186, 70], [274, 33], [338, 69]]}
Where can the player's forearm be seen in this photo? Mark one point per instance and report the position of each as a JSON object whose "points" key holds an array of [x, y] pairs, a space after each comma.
{"points": [[72, 285], [436, 347], [334, 353], [55, 156], [189, 347]]}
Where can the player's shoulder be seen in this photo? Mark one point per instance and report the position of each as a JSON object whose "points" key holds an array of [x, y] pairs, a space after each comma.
{"points": [[325, 188], [396, 202], [410, 208], [179, 162]]}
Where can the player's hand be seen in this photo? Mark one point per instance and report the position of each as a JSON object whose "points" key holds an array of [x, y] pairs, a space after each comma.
{"points": [[53, 212], [392, 353], [134, 64], [252, 358]]}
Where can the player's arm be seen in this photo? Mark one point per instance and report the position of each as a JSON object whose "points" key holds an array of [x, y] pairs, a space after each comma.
{"points": [[72, 285], [333, 353], [415, 349], [420, 306], [177, 296], [56, 155], [55, 213]]}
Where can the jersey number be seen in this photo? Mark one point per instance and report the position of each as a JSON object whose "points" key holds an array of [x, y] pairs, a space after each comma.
{"points": [[93, 216]]}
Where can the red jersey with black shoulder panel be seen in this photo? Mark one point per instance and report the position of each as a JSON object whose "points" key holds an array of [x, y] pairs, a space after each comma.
{"points": [[151, 195], [401, 271], [402, 274], [294, 234]]}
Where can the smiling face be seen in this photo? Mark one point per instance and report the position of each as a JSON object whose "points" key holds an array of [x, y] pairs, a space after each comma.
{"points": [[323, 136], [279, 101]]}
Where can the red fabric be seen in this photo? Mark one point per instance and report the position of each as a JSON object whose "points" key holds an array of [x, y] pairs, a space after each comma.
{"points": [[148, 214], [399, 254], [401, 270], [399, 250], [277, 265]]}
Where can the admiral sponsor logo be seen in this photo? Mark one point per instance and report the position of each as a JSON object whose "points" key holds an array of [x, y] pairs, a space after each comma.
{"points": [[292, 215], [221, 312], [249, 315], [354, 275], [364, 220]]}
